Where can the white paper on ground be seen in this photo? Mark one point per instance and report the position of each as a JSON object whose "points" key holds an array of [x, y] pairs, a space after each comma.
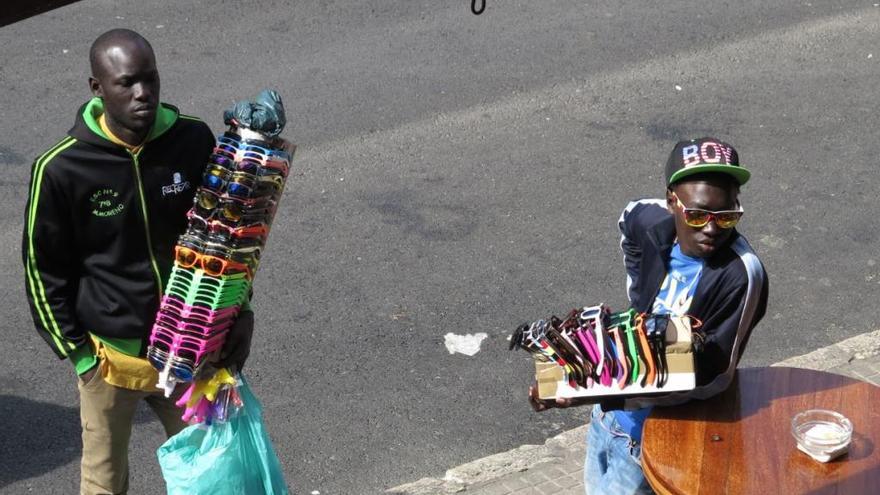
{"points": [[464, 344]]}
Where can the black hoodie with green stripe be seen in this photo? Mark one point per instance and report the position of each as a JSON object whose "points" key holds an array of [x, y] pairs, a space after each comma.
{"points": [[101, 224]]}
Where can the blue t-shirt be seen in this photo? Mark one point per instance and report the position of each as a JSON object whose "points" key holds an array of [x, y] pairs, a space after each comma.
{"points": [[675, 296]]}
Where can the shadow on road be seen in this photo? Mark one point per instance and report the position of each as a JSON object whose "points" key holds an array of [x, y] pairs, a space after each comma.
{"points": [[16, 10], [36, 437], [39, 437]]}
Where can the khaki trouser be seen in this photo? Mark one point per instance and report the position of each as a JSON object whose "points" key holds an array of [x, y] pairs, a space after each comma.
{"points": [[107, 412]]}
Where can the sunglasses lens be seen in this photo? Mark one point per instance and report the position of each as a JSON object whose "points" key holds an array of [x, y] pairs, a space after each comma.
{"points": [[154, 358], [696, 218], [186, 256], [232, 211], [221, 160], [238, 190], [182, 372], [213, 266], [225, 155], [727, 220], [249, 167], [207, 201], [212, 182], [196, 226]]}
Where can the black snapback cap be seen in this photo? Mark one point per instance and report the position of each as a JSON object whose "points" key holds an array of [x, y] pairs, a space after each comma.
{"points": [[702, 155]]}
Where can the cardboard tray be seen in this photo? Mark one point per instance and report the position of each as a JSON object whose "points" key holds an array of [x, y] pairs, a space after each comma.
{"points": [[679, 358]]}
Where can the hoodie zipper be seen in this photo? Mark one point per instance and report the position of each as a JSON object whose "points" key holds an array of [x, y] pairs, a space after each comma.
{"points": [[137, 175]]}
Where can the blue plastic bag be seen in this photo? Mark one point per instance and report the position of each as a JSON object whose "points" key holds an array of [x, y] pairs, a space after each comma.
{"points": [[231, 458]]}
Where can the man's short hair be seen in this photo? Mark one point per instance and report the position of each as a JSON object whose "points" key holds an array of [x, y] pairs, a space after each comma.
{"points": [[725, 180], [111, 38]]}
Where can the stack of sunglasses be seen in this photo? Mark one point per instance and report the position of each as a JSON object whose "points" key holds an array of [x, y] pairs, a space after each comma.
{"points": [[218, 255], [604, 353]]}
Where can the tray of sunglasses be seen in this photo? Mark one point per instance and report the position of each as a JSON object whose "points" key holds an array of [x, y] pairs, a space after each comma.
{"points": [[596, 353], [196, 288]]}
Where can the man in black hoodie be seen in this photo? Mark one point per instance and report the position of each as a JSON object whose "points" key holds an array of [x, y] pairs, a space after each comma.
{"points": [[106, 206]]}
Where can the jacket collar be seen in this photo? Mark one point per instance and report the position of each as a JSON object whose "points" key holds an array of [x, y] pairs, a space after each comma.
{"points": [[662, 235], [86, 128]]}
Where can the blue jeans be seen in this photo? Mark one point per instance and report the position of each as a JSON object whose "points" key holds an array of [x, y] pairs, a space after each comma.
{"points": [[613, 463]]}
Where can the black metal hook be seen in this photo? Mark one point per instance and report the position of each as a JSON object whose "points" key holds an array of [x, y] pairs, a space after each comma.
{"points": [[474, 7]]}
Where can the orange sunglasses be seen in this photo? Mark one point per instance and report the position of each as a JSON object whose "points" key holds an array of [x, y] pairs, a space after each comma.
{"points": [[212, 265]]}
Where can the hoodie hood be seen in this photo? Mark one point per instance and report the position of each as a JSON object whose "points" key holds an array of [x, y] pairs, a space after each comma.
{"points": [[86, 128]]}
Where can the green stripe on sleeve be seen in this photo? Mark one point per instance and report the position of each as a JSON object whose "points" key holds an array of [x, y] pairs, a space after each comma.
{"points": [[38, 291]]}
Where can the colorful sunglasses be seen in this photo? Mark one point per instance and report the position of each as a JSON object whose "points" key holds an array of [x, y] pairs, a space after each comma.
{"points": [[206, 201], [219, 175], [197, 276], [533, 338], [188, 327], [647, 351], [180, 370], [216, 301], [224, 152], [222, 159], [248, 234], [204, 293], [251, 146], [175, 306], [172, 341], [624, 321], [257, 165], [234, 237], [233, 211], [185, 364], [248, 255], [245, 187], [212, 265], [180, 288], [237, 211], [699, 218], [195, 288]]}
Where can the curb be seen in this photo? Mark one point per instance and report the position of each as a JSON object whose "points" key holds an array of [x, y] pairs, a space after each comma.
{"points": [[861, 346], [487, 469], [490, 468]]}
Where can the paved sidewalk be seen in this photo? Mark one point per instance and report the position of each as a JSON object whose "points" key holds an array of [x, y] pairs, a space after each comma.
{"points": [[557, 466]]}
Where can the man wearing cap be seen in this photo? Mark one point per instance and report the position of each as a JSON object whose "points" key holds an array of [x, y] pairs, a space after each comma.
{"points": [[682, 256]]}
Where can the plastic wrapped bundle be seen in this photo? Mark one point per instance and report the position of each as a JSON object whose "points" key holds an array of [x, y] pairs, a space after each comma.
{"points": [[217, 257]]}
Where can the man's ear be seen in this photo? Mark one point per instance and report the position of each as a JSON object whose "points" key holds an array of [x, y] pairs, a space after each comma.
{"points": [[95, 87], [670, 202]]}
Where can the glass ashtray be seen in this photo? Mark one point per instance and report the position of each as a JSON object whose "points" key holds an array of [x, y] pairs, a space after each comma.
{"points": [[822, 434]]}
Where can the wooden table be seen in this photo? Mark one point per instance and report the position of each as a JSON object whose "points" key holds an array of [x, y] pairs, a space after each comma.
{"points": [[740, 442]]}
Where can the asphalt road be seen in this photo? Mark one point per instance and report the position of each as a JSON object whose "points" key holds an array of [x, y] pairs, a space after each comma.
{"points": [[460, 174]]}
